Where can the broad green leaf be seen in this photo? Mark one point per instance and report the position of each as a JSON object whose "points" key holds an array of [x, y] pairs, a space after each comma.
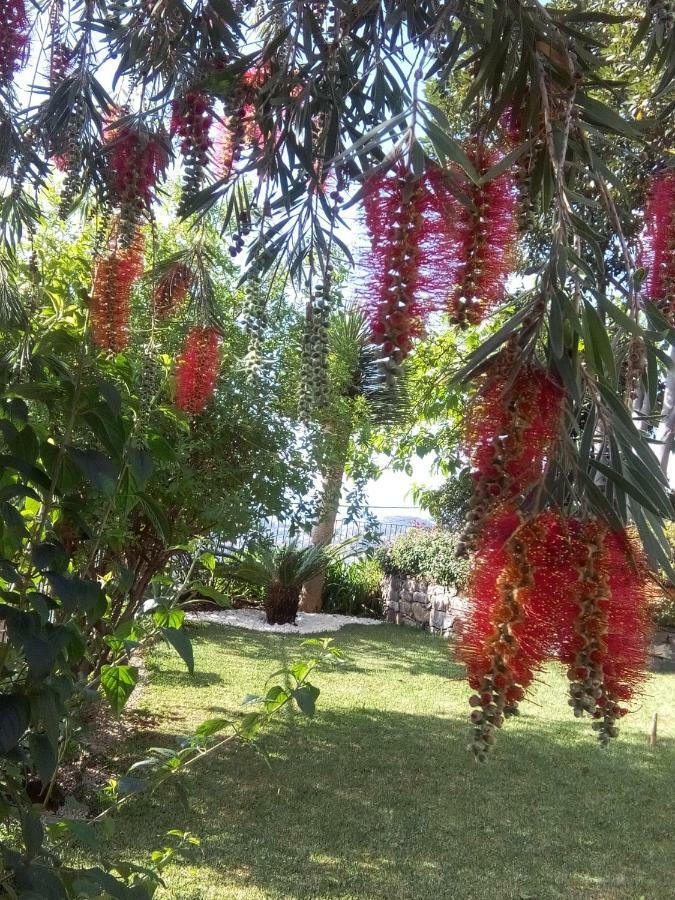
{"points": [[180, 641], [118, 683]]}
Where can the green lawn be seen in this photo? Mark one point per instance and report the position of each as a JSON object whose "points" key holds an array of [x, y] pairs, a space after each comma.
{"points": [[377, 797]]}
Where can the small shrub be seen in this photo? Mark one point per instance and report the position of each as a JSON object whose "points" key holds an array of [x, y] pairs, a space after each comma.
{"points": [[429, 553], [663, 609], [353, 588]]}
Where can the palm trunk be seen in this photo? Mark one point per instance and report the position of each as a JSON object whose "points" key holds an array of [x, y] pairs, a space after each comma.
{"points": [[281, 604], [311, 599]]}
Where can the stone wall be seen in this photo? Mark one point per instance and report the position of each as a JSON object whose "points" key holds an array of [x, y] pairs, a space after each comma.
{"points": [[422, 604]]}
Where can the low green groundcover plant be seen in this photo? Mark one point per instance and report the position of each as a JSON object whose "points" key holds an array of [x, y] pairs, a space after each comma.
{"points": [[429, 553]]}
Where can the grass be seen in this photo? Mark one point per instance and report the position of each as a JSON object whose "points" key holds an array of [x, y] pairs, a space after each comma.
{"points": [[377, 797]]}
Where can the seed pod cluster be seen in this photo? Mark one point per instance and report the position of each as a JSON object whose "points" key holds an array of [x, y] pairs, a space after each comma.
{"points": [[255, 322], [137, 159], [69, 158], [486, 233], [409, 220], [114, 278], [197, 369], [512, 427], [14, 39], [150, 380], [314, 360], [512, 123], [634, 367], [658, 255], [191, 120], [171, 288]]}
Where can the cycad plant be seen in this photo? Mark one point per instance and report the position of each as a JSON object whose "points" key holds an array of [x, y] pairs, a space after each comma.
{"points": [[280, 572]]}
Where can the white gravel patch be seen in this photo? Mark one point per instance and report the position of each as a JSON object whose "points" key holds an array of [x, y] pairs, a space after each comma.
{"points": [[254, 620]]}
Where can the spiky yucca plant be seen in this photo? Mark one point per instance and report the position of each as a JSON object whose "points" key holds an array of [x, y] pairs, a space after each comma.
{"points": [[280, 572]]}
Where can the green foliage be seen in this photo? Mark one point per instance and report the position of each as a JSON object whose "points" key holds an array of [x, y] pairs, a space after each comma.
{"points": [[449, 503], [429, 553], [353, 588]]}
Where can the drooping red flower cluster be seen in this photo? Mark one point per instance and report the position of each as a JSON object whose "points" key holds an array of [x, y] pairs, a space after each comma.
{"points": [[512, 427], [409, 222], [114, 278], [554, 588], [172, 288], [658, 255], [241, 129], [197, 369], [486, 234], [137, 159], [14, 43], [191, 120], [60, 61]]}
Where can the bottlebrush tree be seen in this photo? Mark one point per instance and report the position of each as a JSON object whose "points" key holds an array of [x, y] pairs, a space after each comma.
{"points": [[399, 108]]}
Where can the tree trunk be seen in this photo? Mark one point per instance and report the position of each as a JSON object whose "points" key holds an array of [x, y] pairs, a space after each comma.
{"points": [[311, 599], [281, 604]]}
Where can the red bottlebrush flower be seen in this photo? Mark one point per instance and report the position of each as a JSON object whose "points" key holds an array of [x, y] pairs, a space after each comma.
{"points": [[658, 255], [554, 588], [197, 369], [137, 160], [60, 60], [486, 232], [171, 288], [606, 649], [511, 430], [409, 220], [241, 129], [111, 294], [191, 120], [14, 42]]}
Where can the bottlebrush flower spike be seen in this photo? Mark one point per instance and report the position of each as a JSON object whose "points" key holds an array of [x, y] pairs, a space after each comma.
{"points": [[197, 369], [137, 160], [511, 431], [409, 220], [191, 120], [114, 278], [240, 129], [658, 255], [14, 42], [171, 288], [606, 649], [554, 587], [487, 231], [502, 643]]}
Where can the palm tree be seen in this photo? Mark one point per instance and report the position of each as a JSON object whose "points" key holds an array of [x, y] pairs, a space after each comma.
{"points": [[356, 390], [280, 572]]}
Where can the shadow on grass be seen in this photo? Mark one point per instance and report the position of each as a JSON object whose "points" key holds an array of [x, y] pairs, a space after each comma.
{"points": [[368, 648], [368, 803]]}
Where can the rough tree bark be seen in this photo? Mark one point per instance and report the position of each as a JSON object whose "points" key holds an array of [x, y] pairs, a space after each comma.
{"points": [[311, 599]]}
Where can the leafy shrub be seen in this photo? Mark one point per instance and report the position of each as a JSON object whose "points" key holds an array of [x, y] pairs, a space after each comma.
{"points": [[353, 588], [449, 503], [429, 553], [663, 609]]}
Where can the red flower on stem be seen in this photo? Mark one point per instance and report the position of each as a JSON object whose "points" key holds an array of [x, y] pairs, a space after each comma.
{"points": [[14, 39], [114, 278], [409, 219], [486, 232], [197, 369], [658, 255]]}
